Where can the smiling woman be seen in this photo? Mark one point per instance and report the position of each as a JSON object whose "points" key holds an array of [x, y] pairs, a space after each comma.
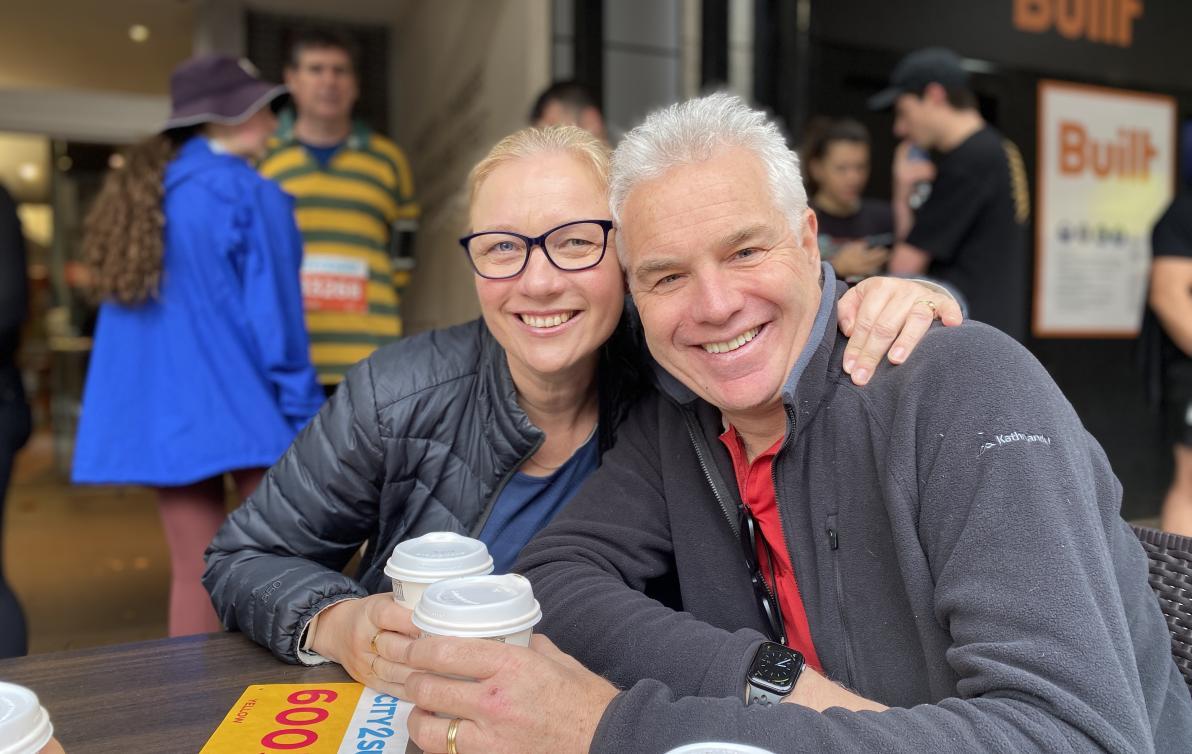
{"points": [[551, 318], [487, 428]]}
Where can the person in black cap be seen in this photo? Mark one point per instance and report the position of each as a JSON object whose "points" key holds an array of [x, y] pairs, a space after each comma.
{"points": [[970, 229], [201, 363]]}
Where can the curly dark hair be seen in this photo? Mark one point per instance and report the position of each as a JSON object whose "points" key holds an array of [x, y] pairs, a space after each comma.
{"points": [[123, 232]]}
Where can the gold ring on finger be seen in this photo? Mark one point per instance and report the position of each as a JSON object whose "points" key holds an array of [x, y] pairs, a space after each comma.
{"points": [[372, 643], [929, 304], [372, 666], [452, 732]]}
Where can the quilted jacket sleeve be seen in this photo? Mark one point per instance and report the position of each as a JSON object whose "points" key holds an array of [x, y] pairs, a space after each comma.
{"points": [[277, 561]]}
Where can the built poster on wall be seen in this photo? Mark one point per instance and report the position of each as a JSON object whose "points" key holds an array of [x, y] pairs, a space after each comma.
{"points": [[1106, 172]]}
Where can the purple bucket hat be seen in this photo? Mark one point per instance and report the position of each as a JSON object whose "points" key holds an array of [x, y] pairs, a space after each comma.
{"points": [[217, 89]]}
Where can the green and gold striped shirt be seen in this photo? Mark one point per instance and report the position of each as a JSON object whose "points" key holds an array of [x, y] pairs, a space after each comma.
{"points": [[346, 210]]}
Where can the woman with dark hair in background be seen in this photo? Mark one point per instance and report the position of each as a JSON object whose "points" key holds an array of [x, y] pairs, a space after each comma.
{"points": [[201, 364], [14, 410], [855, 234]]}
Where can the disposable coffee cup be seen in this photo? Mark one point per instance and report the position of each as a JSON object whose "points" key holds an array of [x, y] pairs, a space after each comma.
{"points": [[24, 724], [717, 747], [501, 608], [417, 563]]}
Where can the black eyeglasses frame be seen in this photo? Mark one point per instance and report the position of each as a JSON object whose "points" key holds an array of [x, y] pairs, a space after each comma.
{"points": [[540, 242]]}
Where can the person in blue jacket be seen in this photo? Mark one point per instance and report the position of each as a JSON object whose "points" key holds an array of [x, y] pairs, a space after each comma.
{"points": [[201, 362]]}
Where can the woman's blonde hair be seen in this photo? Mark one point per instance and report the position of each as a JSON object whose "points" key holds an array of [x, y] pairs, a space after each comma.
{"points": [[533, 141]]}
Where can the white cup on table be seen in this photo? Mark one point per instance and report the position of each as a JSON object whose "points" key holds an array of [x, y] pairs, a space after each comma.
{"points": [[417, 563], [25, 726], [498, 608], [501, 608]]}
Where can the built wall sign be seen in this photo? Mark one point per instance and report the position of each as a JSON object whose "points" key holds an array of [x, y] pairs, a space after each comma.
{"points": [[1105, 21], [1123, 42], [1106, 167]]}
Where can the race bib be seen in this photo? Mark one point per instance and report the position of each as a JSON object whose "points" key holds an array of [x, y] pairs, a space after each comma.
{"points": [[334, 283], [327, 718]]}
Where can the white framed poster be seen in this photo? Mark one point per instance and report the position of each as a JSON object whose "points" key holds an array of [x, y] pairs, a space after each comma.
{"points": [[1106, 172]]}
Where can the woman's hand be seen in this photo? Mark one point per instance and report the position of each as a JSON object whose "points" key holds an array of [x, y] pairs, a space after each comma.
{"points": [[368, 637], [879, 312]]}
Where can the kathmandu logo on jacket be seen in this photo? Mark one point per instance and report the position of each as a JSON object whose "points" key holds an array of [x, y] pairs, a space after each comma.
{"points": [[1012, 437]]}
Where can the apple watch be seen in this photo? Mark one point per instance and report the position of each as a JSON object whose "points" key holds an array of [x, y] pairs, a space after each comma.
{"points": [[773, 674]]}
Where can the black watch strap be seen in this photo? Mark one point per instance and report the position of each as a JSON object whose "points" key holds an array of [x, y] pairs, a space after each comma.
{"points": [[761, 697]]}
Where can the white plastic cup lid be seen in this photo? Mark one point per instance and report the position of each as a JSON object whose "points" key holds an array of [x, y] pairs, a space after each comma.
{"points": [[478, 607], [24, 724], [436, 556], [718, 747]]}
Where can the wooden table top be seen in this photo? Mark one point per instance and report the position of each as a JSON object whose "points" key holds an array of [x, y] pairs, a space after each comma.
{"points": [[155, 696]]}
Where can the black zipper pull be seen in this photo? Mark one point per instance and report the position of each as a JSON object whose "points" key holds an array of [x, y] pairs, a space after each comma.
{"points": [[833, 541]]}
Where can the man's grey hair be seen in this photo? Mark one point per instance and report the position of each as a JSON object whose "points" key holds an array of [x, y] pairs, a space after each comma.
{"points": [[692, 131]]}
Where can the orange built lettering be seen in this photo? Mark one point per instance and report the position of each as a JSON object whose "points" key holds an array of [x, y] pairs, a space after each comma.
{"points": [[1128, 156], [1102, 21]]}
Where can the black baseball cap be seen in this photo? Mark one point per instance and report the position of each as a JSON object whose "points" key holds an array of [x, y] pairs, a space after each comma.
{"points": [[922, 67]]}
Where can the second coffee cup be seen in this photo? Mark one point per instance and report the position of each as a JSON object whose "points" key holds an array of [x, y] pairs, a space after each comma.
{"points": [[482, 607], [417, 563]]}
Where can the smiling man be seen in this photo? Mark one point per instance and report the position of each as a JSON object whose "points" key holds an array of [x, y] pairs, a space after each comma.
{"points": [[729, 283], [933, 562]]}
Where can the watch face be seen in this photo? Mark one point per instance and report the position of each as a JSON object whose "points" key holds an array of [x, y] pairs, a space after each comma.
{"points": [[776, 667]]}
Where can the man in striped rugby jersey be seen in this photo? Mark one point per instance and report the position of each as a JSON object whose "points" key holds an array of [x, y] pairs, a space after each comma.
{"points": [[355, 206]]}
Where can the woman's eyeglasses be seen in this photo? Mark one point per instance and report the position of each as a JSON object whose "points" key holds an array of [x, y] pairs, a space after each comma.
{"points": [[571, 247]]}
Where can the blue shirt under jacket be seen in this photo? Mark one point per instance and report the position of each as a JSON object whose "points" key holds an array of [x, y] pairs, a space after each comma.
{"points": [[213, 374], [528, 503]]}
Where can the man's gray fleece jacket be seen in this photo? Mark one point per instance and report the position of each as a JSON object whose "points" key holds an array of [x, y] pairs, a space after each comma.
{"points": [[956, 538]]}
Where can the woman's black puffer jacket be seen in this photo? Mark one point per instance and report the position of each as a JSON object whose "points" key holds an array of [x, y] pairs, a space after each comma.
{"points": [[419, 437]]}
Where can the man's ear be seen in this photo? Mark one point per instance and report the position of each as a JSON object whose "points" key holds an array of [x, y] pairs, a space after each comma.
{"points": [[810, 239], [935, 93]]}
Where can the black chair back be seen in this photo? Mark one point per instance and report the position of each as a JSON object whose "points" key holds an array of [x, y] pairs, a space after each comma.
{"points": [[1170, 557]]}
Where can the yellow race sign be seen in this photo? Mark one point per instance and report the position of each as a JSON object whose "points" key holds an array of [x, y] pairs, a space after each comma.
{"points": [[326, 718]]}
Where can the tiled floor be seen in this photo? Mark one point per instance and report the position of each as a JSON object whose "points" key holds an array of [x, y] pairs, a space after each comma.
{"points": [[88, 563]]}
